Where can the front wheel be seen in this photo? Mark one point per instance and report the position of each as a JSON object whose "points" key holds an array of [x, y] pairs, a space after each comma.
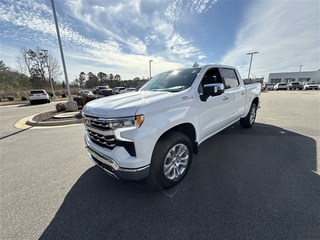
{"points": [[248, 121], [171, 160]]}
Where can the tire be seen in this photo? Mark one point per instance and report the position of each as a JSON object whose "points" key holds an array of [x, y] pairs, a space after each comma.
{"points": [[31, 102], [248, 121], [48, 101], [171, 160]]}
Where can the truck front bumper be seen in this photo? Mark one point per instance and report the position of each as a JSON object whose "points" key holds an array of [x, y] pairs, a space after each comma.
{"points": [[111, 167]]}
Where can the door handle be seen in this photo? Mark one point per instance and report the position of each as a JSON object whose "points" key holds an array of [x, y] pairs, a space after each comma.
{"points": [[225, 98], [243, 93]]}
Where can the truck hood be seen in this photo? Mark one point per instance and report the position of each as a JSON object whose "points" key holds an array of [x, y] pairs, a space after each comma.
{"points": [[122, 105]]}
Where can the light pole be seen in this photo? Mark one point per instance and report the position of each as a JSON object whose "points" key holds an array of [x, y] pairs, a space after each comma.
{"points": [[299, 72], [300, 68], [71, 105], [150, 67], [49, 72], [250, 62]]}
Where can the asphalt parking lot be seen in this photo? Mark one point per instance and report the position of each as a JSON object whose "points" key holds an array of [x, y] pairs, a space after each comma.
{"points": [[258, 183]]}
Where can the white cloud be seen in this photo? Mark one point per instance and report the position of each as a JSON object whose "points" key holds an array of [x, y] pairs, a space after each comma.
{"points": [[285, 33], [178, 8], [164, 28], [200, 6], [178, 45], [105, 34]]}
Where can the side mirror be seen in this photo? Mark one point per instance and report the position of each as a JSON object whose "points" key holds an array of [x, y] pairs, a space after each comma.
{"points": [[212, 89]]}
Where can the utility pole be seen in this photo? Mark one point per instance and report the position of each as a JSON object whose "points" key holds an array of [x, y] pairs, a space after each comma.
{"points": [[250, 62]]}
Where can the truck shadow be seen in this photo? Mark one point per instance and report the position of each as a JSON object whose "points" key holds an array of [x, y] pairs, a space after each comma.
{"points": [[244, 184]]}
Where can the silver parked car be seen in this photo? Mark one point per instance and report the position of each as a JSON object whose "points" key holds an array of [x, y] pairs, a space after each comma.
{"points": [[118, 90], [295, 85], [280, 86], [268, 86], [311, 86]]}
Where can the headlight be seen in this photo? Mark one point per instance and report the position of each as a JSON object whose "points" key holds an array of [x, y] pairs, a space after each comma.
{"points": [[126, 122]]}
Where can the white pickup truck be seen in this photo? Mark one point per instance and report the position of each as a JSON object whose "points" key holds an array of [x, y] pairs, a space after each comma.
{"points": [[153, 133]]}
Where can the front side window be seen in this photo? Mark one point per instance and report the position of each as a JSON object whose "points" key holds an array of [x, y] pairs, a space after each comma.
{"points": [[230, 78], [172, 81], [210, 77]]}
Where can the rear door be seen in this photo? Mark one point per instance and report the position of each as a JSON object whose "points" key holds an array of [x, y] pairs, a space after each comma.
{"points": [[236, 92]]}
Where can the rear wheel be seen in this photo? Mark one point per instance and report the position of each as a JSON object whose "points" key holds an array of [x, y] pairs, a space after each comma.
{"points": [[248, 121], [171, 160]]}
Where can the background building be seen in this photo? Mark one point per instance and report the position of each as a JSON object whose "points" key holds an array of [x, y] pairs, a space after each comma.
{"points": [[302, 77]]}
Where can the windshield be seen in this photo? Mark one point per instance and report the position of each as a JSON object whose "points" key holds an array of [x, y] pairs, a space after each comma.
{"points": [[172, 81]]}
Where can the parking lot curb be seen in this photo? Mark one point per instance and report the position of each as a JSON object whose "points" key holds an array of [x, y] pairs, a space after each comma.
{"points": [[30, 122]]}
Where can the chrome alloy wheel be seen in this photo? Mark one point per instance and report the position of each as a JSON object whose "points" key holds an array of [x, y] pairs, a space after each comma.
{"points": [[176, 161], [253, 114]]}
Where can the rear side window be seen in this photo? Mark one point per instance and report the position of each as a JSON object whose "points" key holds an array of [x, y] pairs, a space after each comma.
{"points": [[230, 78], [36, 92]]}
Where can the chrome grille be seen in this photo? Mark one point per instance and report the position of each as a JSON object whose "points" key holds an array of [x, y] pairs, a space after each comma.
{"points": [[100, 133], [102, 140], [100, 124]]}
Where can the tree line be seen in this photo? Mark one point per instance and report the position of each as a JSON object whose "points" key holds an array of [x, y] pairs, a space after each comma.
{"points": [[11, 79], [91, 80], [37, 68]]}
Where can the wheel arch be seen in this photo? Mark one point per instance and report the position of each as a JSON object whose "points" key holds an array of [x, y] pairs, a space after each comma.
{"points": [[187, 129], [256, 101]]}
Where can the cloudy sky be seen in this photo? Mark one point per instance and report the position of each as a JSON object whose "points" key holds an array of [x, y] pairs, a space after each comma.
{"points": [[121, 36]]}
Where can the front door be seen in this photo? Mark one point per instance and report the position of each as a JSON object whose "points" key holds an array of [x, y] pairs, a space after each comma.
{"points": [[214, 111]]}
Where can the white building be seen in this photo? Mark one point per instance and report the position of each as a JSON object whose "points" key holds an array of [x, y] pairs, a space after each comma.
{"points": [[302, 77]]}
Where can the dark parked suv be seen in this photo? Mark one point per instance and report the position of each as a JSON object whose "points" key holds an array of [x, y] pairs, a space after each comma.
{"points": [[103, 90], [295, 85]]}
